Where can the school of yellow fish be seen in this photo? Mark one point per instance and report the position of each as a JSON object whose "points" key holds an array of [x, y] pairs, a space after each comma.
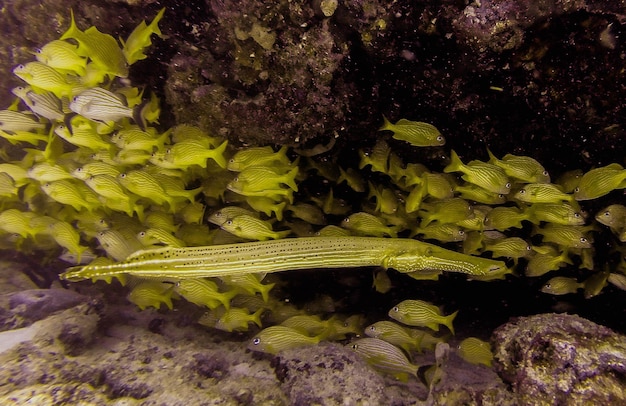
{"points": [[97, 181]]}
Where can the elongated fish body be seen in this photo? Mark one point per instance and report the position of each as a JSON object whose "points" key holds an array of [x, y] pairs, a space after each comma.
{"points": [[403, 254]]}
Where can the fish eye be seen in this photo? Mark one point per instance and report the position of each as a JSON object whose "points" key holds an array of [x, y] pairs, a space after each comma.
{"points": [[528, 248], [461, 232], [607, 213], [577, 190], [545, 173], [229, 222], [355, 346], [508, 185], [522, 191], [500, 196], [440, 138], [231, 160], [372, 328], [142, 234], [256, 341], [122, 175], [396, 309], [346, 220], [583, 239]]}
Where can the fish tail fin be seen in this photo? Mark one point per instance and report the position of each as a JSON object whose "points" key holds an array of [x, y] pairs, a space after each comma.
{"points": [[73, 30], [228, 296], [256, 317], [282, 234], [153, 26], [282, 152], [414, 199], [455, 164], [492, 157], [448, 321], [218, 154], [386, 125], [139, 114], [265, 291], [278, 210], [163, 138], [122, 278], [290, 179]]}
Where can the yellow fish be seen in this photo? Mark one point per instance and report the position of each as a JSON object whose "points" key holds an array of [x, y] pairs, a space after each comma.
{"points": [[257, 178], [62, 55], [204, 292], [104, 106], [190, 152], [544, 262], [445, 211], [395, 334], [250, 284], [511, 247], [421, 314], [67, 237], [475, 351], [258, 156], [267, 206], [83, 133], [43, 77], [522, 168], [488, 176], [416, 133], [562, 285], [385, 357], [613, 216], [117, 245], [252, 228], [45, 172], [44, 104], [66, 192], [369, 225], [557, 213], [600, 181], [378, 158], [143, 184], [236, 319], [14, 221], [12, 121], [543, 193], [275, 339], [101, 48], [565, 236], [156, 236], [139, 39], [152, 294], [133, 137]]}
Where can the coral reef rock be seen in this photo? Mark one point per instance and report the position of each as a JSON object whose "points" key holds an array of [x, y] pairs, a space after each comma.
{"points": [[558, 359]]}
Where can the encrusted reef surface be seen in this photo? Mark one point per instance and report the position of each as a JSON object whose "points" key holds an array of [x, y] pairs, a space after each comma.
{"points": [[106, 352], [561, 359]]}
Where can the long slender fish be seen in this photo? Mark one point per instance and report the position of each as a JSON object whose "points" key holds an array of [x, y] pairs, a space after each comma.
{"points": [[402, 254]]}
